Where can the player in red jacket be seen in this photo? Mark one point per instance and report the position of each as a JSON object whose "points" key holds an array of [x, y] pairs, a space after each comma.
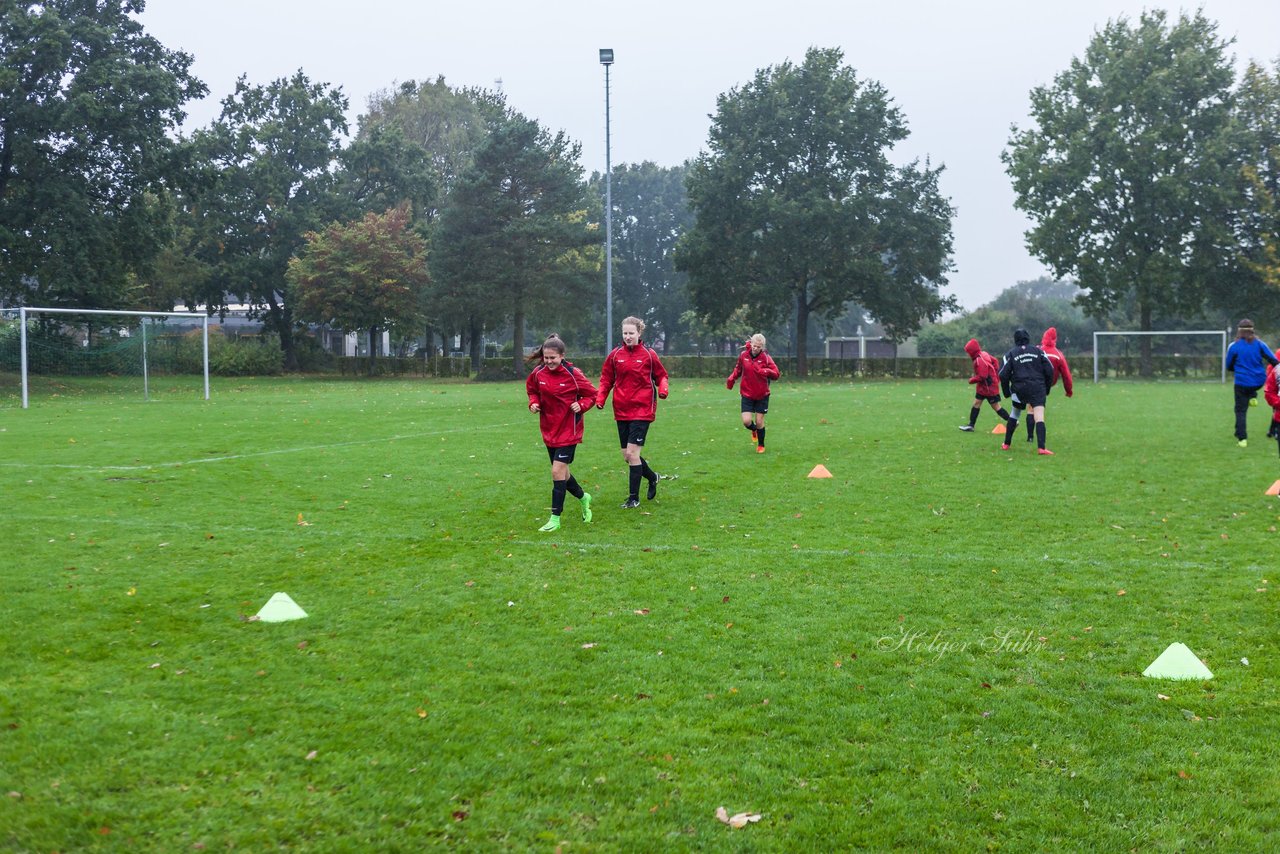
{"points": [[1271, 391], [636, 377], [560, 394], [986, 376], [757, 368], [1061, 371]]}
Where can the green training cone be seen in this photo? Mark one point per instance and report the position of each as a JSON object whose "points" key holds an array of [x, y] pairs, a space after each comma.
{"points": [[1177, 662], [280, 608]]}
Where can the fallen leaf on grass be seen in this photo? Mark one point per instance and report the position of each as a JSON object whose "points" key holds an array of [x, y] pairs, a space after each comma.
{"points": [[741, 819], [587, 645], [460, 815], [1183, 774], [1161, 697], [301, 521], [1119, 592], [422, 713], [641, 611], [16, 795], [1190, 715], [311, 755]]}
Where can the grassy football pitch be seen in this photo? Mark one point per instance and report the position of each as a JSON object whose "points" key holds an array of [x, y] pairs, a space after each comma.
{"points": [[938, 648]]}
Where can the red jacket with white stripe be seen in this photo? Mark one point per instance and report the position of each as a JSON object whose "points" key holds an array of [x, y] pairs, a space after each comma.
{"points": [[1271, 391], [756, 372], [637, 379], [555, 390]]}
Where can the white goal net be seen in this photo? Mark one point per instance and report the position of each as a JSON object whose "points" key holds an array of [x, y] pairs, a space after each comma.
{"points": [[122, 353], [1199, 354]]}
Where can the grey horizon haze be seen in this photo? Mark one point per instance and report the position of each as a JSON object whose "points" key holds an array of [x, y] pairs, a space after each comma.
{"points": [[960, 72]]}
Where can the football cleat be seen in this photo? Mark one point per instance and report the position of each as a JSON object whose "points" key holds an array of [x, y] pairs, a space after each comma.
{"points": [[1244, 443], [759, 449], [585, 500], [553, 524], [630, 503], [1005, 446], [968, 428], [653, 487], [1044, 452]]}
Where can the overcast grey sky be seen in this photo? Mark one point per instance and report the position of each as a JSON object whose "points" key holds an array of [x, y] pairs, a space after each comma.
{"points": [[960, 71]]}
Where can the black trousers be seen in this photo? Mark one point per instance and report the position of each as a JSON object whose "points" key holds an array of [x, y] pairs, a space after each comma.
{"points": [[1244, 394]]}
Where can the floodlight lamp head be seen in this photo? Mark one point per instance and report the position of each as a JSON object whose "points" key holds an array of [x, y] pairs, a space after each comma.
{"points": [[606, 56]]}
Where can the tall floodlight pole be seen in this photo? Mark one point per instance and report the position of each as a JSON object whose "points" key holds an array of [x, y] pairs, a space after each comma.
{"points": [[606, 59]]}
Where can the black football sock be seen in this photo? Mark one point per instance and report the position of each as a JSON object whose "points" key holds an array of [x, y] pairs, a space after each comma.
{"points": [[572, 486], [648, 473], [1011, 429], [1002, 414], [557, 497], [760, 436], [1040, 434], [634, 474], [973, 416], [751, 427], [1031, 426]]}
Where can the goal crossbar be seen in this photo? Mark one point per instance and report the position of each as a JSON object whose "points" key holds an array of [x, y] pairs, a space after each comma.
{"points": [[1217, 332], [22, 334]]}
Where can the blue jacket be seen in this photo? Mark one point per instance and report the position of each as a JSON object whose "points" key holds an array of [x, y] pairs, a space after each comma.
{"points": [[1245, 358]]}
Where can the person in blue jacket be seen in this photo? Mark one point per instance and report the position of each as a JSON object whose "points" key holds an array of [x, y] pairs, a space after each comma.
{"points": [[1245, 359]]}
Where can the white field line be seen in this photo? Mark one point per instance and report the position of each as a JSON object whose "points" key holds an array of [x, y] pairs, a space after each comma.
{"points": [[251, 455]]}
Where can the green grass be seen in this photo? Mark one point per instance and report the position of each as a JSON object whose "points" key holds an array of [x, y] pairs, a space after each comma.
{"points": [[825, 652]]}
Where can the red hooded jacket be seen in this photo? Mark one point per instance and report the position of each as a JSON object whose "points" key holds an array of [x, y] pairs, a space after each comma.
{"points": [[555, 390], [1271, 391], [632, 374], [986, 370], [756, 372], [1049, 344]]}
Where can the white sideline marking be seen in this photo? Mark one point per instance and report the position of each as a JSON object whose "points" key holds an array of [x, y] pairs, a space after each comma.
{"points": [[229, 457]]}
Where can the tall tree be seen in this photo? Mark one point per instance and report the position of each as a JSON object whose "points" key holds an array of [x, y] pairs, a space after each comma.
{"points": [[798, 205], [1258, 223], [1128, 171], [651, 213], [364, 275], [514, 240], [88, 103], [272, 153]]}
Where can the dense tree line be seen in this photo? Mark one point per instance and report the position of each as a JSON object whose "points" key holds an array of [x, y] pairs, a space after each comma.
{"points": [[1150, 173]]}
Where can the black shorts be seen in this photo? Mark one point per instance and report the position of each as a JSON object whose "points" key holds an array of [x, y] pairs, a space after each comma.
{"points": [[632, 432], [1024, 399], [562, 455], [761, 405], [993, 399]]}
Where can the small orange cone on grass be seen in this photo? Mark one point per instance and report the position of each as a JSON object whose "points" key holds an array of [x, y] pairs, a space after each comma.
{"points": [[819, 471], [998, 430], [1274, 490]]}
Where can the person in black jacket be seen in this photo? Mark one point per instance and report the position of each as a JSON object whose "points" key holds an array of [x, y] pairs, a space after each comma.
{"points": [[1025, 376]]}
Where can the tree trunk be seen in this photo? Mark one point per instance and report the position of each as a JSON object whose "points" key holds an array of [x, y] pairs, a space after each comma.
{"points": [[517, 348], [1144, 341], [373, 349], [477, 339], [282, 319], [802, 333]]}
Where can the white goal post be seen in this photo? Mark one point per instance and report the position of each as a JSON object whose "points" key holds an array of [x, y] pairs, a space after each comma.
{"points": [[1215, 332], [204, 318]]}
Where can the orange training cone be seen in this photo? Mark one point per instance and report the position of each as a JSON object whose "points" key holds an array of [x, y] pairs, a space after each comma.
{"points": [[819, 471], [1274, 490], [998, 430]]}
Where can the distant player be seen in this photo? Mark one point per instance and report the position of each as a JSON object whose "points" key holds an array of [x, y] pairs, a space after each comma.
{"points": [[637, 379], [986, 376], [1245, 358], [1061, 370], [1025, 377], [757, 369], [560, 394]]}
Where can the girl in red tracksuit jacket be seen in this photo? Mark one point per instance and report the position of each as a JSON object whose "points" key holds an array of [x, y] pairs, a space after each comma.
{"points": [[635, 375], [560, 394], [986, 376], [1271, 391], [1061, 371], [757, 368]]}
